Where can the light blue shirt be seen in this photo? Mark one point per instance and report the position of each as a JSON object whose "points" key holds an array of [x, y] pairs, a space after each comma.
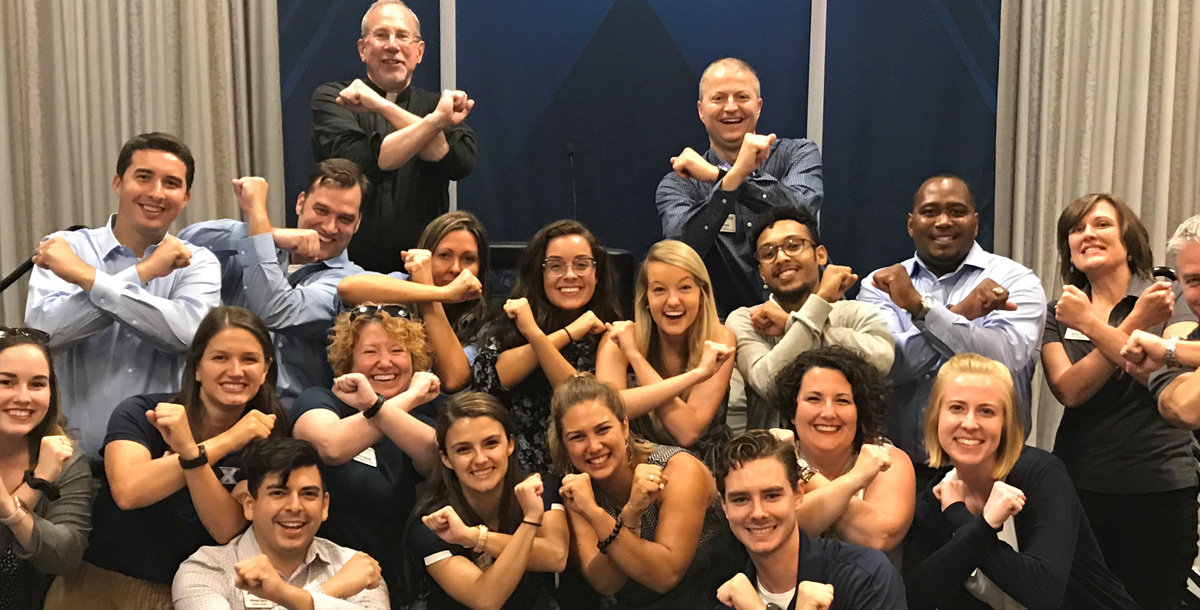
{"points": [[1011, 337], [124, 337], [298, 307]]}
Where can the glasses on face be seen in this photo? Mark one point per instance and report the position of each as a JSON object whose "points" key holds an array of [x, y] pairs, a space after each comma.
{"points": [[29, 333], [557, 267], [791, 245], [382, 37], [396, 311]]}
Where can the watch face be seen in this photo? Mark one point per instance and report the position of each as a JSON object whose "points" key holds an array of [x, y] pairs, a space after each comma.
{"points": [[773, 606]]}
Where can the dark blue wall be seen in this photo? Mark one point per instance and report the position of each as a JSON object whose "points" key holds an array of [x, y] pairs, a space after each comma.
{"points": [[910, 91]]}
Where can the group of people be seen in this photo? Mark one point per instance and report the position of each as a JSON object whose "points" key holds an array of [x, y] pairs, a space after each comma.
{"points": [[184, 414]]}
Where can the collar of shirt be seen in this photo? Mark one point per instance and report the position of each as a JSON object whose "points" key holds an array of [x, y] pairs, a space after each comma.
{"points": [[247, 548], [107, 240], [976, 258], [811, 564], [396, 98], [1137, 285]]}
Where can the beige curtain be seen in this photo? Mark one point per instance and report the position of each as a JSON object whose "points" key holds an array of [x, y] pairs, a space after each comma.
{"points": [[79, 77], [1094, 96]]}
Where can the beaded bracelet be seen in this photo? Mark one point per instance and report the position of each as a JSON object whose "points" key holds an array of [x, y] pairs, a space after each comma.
{"points": [[603, 544]]}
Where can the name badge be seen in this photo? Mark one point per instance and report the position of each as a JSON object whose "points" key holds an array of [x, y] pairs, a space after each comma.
{"points": [[251, 600], [730, 225], [367, 457], [1075, 335]]}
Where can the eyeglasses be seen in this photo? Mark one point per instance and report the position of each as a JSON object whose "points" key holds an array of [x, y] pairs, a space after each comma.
{"points": [[791, 245], [29, 333], [557, 267], [396, 311], [402, 37]]}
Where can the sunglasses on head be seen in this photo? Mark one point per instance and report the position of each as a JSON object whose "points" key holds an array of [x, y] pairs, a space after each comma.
{"points": [[396, 311], [29, 333]]}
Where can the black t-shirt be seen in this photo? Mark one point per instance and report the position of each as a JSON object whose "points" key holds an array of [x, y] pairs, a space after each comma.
{"points": [[369, 504], [1160, 379], [532, 593], [149, 542], [1116, 442]]}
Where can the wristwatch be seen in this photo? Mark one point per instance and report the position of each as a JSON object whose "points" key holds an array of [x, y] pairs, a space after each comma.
{"points": [[806, 472], [374, 410], [1169, 355], [201, 459], [926, 305]]}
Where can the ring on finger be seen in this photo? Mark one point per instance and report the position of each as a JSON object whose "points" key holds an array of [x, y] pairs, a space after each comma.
{"points": [[998, 291]]}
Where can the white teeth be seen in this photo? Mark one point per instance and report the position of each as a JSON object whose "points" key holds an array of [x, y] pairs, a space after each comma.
{"points": [[383, 378], [19, 413], [569, 289], [673, 314], [597, 460], [968, 441], [826, 428]]}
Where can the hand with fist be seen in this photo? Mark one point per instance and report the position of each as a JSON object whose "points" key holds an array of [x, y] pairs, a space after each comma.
{"points": [[170, 255], [360, 573], [355, 390], [529, 496], [1005, 501]]}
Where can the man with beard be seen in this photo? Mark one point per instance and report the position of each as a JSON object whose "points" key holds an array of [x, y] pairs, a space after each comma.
{"points": [[279, 561], [759, 485], [952, 297], [410, 142], [714, 202], [804, 311]]}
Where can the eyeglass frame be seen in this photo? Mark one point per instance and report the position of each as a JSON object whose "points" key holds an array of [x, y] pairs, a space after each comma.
{"points": [[376, 37], [588, 264], [775, 249]]}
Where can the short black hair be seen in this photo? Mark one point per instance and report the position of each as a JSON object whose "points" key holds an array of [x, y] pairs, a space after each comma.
{"points": [[157, 140], [783, 212], [755, 445], [944, 176], [282, 455]]}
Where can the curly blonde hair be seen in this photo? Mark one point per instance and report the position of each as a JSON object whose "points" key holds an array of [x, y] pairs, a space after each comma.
{"points": [[346, 330]]}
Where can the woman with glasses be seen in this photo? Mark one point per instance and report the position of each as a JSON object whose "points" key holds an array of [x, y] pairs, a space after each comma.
{"points": [[447, 280], [1135, 473], [46, 496], [680, 353], [173, 470], [564, 294], [374, 431]]}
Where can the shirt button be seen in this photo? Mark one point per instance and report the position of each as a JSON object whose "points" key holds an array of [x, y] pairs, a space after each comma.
{"points": [[705, 227], [129, 370], [723, 200], [749, 224], [764, 195], [134, 322], [928, 377]]}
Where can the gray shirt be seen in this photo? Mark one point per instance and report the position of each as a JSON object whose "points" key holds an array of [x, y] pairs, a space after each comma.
{"points": [[205, 580], [861, 327]]}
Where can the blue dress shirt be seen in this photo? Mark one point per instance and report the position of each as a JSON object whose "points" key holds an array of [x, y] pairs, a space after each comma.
{"points": [[698, 213], [298, 307], [124, 337], [1011, 337]]}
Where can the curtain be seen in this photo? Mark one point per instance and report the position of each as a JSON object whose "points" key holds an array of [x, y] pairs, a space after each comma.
{"points": [[1093, 96], [80, 77]]}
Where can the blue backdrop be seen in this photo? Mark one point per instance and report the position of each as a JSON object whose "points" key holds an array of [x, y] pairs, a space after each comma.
{"points": [[910, 91]]}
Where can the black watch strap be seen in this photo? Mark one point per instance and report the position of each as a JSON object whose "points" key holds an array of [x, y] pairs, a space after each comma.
{"points": [[721, 171], [201, 459], [374, 410], [48, 489]]}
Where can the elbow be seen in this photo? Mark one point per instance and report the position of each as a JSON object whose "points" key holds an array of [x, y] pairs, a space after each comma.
{"points": [[689, 438], [667, 582], [454, 381], [1179, 415], [124, 495], [348, 290], [330, 453]]}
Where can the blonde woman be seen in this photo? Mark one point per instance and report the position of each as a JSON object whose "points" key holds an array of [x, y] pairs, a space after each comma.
{"points": [[680, 354]]}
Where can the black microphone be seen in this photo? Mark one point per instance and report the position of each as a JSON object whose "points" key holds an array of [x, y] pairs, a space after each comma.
{"points": [[24, 267], [574, 199]]}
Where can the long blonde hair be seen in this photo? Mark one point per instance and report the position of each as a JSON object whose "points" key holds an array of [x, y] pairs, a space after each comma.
{"points": [[707, 324]]}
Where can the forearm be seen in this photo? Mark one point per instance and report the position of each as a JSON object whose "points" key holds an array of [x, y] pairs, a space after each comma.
{"points": [[875, 527], [1179, 403], [339, 441], [140, 485], [1078, 382], [449, 361], [549, 554], [692, 214], [514, 365], [169, 323], [220, 514], [643, 399], [494, 585], [62, 310], [605, 576], [649, 563], [400, 146], [413, 436], [385, 289], [825, 501], [61, 534], [304, 310]]}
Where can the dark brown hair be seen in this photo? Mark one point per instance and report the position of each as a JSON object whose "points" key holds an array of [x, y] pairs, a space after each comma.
{"points": [[755, 445], [1133, 235]]}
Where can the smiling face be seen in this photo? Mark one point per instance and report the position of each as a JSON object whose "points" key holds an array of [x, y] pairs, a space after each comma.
{"points": [[943, 223], [391, 47], [729, 105], [1187, 267], [971, 420], [333, 212], [286, 516], [456, 251], [232, 369], [791, 276], [594, 439], [477, 450], [384, 360], [24, 389], [1095, 242], [674, 297], [760, 505], [572, 290], [826, 417], [151, 193]]}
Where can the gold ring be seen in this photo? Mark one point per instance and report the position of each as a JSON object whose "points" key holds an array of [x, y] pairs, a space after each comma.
{"points": [[998, 291]]}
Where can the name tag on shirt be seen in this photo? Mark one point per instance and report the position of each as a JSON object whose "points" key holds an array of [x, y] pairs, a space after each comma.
{"points": [[251, 600], [730, 225], [1075, 335], [367, 457]]}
